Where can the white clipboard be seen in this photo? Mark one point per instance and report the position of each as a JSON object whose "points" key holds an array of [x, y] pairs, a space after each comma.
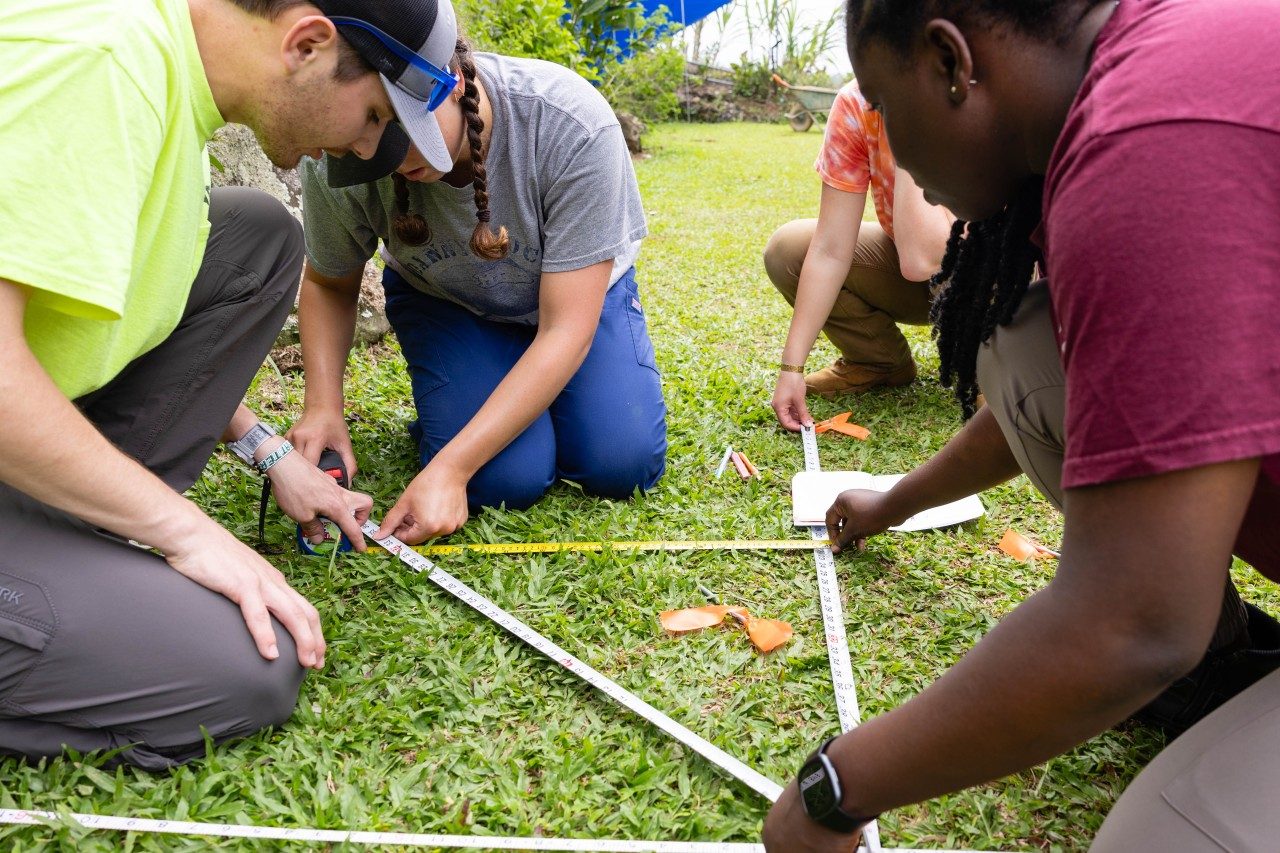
{"points": [[813, 492]]}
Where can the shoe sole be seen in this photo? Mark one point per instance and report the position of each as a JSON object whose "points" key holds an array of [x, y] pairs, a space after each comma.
{"points": [[810, 391]]}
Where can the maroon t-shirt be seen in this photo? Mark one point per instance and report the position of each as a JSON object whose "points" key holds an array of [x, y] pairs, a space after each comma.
{"points": [[1162, 239]]}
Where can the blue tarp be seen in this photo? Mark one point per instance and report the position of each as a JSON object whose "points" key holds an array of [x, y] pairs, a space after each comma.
{"points": [[686, 13], [689, 12]]}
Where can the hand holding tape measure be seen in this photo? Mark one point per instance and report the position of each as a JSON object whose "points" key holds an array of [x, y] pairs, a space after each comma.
{"points": [[347, 510]]}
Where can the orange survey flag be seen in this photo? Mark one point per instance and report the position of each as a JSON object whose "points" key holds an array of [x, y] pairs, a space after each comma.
{"points": [[765, 634], [692, 618], [840, 423], [1021, 548]]}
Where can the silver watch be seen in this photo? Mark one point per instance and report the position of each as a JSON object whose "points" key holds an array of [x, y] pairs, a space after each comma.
{"points": [[247, 444]]}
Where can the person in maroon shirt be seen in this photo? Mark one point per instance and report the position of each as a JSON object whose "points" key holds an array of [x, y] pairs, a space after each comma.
{"points": [[1131, 152]]}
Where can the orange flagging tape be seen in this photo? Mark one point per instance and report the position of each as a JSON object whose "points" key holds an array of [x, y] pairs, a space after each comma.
{"points": [[765, 634], [1021, 548], [840, 423]]}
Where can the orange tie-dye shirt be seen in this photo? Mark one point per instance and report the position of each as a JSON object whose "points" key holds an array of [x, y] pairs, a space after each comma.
{"points": [[855, 153]]}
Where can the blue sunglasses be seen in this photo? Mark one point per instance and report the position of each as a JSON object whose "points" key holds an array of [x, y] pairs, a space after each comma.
{"points": [[443, 82]]}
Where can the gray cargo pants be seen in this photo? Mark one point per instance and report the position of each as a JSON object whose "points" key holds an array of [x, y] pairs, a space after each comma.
{"points": [[1214, 788], [102, 645]]}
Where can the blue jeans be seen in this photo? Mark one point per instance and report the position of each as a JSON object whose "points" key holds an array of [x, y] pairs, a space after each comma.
{"points": [[606, 431]]}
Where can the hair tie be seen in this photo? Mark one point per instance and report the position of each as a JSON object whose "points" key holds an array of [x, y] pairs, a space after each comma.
{"points": [[484, 216]]}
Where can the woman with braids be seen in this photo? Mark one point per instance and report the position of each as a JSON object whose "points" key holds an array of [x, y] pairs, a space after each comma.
{"points": [[1132, 152], [510, 284], [854, 280]]}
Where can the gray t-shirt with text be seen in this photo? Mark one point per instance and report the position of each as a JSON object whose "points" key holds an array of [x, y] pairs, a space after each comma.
{"points": [[560, 181]]}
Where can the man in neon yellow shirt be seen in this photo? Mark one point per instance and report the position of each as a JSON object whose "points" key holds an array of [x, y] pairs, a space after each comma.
{"points": [[135, 307]]}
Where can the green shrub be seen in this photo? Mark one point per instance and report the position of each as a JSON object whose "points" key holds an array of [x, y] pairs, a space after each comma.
{"points": [[753, 80], [645, 85], [532, 28], [580, 35], [597, 22]]}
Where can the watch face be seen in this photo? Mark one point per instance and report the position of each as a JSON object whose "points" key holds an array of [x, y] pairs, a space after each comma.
{"points": [[817, 791]]}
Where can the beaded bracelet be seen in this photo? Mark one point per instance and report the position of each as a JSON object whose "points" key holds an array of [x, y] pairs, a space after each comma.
{"points": [[279, 453]]}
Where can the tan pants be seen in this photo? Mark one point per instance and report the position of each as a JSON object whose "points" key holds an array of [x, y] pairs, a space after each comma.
{"points": [[1215, 788], [874, 299]]}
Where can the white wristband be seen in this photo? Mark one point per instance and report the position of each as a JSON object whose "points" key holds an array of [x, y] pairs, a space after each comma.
{"points": [[279, 453]]}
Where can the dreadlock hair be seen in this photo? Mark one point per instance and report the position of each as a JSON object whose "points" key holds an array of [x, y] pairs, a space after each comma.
{"points": [[984, 275], [988, 264], [350, 66], [411, 228]]}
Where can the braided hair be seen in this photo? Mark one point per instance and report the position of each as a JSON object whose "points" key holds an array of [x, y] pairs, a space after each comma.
{"points": [[484, 243], [412, 228]]}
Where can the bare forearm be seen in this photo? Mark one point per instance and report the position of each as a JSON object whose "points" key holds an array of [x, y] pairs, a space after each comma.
{"points": [[821, 278], [1132, 607], [825, 268], [1044, 680], [241, 422], [326, 323], [976, 458], [524, 394], [74, 468]]}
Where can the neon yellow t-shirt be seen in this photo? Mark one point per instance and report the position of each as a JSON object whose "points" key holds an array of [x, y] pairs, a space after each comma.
{"points": [[104, 205]]}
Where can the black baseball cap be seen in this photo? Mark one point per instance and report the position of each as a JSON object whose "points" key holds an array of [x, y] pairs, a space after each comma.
{"points": [[410, 43]]}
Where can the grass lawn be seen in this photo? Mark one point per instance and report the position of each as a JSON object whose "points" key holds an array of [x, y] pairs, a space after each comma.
{"points": [[428, 718]]}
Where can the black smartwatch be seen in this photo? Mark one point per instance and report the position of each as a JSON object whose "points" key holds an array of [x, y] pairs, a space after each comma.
{"points": [[820, 793]]}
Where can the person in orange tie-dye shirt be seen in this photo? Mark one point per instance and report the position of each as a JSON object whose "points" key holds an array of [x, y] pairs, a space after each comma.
{"points": [[854, 280]]}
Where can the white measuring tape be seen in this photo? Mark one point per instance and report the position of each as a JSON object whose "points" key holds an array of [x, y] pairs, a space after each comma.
{"points": [[833, 624], [468, 596], [619, 546], [842, 677], [397, 839]]}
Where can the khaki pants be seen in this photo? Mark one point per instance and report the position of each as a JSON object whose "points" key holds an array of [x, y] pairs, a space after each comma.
{"points": [[874, 299], [1215, 788]]}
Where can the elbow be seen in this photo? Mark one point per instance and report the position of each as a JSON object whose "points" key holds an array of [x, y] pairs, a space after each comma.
{"points": [[1160, 660], [1126, 650], [917, 266], [570, 346], [1148, 659]]}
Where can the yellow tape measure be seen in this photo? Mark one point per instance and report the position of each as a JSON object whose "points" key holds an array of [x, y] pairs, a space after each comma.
{"points": [[657, 545]]}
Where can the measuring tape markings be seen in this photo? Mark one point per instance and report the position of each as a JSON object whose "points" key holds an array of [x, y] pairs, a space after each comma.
{"points": [[833, 624], [401, 839], [837, 645], [655, 545], [753, 779]]}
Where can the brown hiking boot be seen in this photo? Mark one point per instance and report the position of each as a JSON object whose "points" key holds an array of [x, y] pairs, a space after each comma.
{"points": [[845, 377]]}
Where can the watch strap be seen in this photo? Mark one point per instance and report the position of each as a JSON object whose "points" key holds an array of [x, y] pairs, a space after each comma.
{"points": [[818, 770], [246, 445]]}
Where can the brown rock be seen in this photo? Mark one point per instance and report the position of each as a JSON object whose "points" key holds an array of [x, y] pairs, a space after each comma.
{"points": [[242, 164], [632, 131]]}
